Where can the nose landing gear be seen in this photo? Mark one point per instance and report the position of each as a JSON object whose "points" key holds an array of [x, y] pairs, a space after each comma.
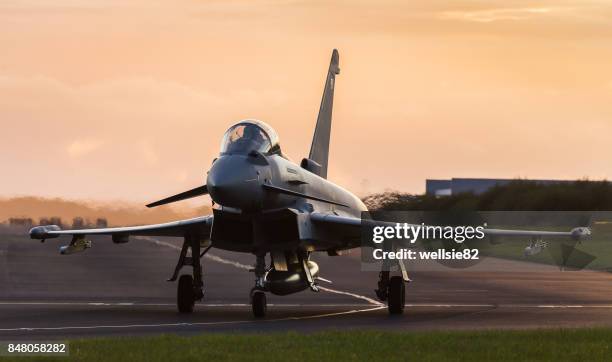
{"points": [[259, 303], [258, 295]]}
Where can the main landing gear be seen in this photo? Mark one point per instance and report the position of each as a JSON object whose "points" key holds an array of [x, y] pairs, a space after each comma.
{"points": [[190, 288], [393, 289], [185, 296]]}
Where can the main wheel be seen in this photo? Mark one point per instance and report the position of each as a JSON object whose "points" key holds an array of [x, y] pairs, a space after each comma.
{"points": [[185, 298], [259, 304], [397, 295]]}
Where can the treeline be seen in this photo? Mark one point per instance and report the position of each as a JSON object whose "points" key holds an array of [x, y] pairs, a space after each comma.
{"points": [[32, 210], [518, 195]]}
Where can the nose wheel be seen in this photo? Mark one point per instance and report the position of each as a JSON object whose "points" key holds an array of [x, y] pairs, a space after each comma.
{"points": [[258, 296], [259, 303]]}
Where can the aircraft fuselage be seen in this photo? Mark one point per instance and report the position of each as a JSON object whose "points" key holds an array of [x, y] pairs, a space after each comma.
{"points": [[251, 218]]}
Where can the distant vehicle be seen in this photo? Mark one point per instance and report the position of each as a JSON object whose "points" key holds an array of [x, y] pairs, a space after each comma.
{"points": [[266, 204]]}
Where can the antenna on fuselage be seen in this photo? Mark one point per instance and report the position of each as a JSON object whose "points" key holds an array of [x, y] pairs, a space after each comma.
{"points": [[319, 149]]}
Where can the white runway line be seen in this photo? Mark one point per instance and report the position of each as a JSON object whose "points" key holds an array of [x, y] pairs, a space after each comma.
{"points": [[158, 242], [313, 305], [369, 300], [188, 324], [207, 255], [316, 316], [206, 305]]}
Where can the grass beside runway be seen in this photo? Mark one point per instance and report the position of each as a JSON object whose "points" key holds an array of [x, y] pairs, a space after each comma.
{"points": [[592, 254], [595, 254], [532, 345]]}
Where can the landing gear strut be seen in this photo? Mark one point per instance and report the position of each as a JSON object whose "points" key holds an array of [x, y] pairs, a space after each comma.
{"points": [[258, 295], [190, 288], [383, 285]]}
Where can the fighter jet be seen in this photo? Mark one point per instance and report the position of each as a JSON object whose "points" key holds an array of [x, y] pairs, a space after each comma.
{"points": [[266, 205]]}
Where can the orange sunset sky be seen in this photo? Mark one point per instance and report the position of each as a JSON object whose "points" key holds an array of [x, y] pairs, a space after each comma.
{"points": [[128, 100]]}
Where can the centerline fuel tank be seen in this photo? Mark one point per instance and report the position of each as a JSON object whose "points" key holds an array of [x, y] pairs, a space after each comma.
{"points": [[290, 281]]}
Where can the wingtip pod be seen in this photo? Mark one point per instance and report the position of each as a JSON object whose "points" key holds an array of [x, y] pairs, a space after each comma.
{"points": [[42, 232], [581, 233]]}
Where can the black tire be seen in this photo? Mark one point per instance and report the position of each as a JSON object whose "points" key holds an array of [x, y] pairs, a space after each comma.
{"points": [[397, 295], [259, 304], [185, 298]]}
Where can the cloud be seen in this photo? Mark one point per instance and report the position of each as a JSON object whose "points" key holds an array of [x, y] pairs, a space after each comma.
{"points": [[148, 153], [418, 77], [182, 176], [500, 14], [80, 148]]}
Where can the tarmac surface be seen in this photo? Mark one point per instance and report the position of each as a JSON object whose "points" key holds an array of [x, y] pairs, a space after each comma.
{"points": [[117, 290]]}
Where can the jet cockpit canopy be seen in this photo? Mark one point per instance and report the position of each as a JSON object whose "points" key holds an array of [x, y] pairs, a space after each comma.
{"points": [[250, 135]]}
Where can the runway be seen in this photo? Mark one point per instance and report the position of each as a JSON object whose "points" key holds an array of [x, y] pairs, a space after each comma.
{"points": [[121, 290]]}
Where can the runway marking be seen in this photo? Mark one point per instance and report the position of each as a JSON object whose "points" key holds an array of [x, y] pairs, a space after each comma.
{"points": [[207, 255], [316, 316], [515, 306], [362, 297], [213, 305], [188, 324], [325, 280], [313, 305]]}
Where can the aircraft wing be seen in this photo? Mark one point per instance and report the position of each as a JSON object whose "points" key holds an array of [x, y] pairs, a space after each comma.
{"points": [[352, 226], [198, 225]]}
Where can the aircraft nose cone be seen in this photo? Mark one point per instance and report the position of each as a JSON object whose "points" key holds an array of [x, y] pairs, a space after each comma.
{"points": [[233, 181]]}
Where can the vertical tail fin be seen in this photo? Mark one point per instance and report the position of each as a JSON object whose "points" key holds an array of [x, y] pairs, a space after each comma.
{"points": [[319, 149]]}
